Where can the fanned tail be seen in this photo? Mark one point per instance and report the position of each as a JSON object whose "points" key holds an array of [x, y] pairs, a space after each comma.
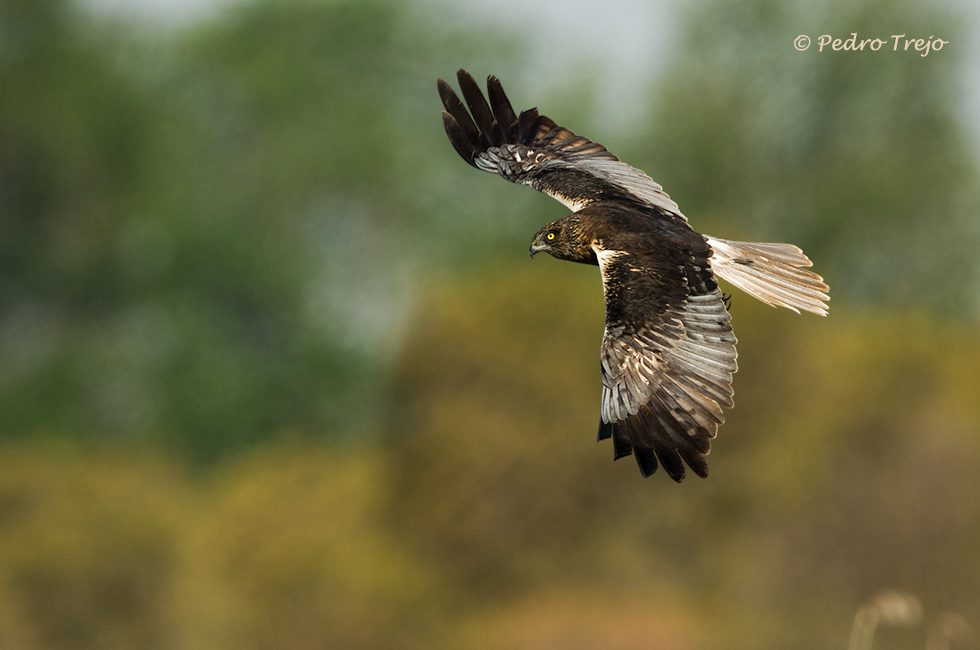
{"points": [[773, 273]]}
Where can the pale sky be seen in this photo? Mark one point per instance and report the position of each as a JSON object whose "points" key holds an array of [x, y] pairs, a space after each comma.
{"points": [[613, 36]]}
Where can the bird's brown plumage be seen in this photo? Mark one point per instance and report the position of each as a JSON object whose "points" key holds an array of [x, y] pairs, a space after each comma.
{"points": [[668, 352]]}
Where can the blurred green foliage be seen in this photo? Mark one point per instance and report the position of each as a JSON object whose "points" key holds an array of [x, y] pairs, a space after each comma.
{"points": [[847, 465], [248, 245], [857, 157], [192, 225]]}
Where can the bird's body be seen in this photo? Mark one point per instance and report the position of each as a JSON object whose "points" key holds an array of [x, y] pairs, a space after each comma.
{"points": [[668, 352]]}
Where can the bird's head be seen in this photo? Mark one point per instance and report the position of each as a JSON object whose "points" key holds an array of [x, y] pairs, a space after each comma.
{"points": [[554, 239]]}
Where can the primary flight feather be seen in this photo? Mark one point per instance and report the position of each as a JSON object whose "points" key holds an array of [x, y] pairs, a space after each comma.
{"points": [[668, 352]]}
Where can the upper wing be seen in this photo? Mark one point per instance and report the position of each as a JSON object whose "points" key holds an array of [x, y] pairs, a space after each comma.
{"points": [[668, 354], [532, 150]]}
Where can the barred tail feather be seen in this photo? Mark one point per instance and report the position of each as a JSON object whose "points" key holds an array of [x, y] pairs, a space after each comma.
{"points": [[773, 273]]}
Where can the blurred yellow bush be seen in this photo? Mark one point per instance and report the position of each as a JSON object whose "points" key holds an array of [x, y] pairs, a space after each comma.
{"points": [[485, 515]]}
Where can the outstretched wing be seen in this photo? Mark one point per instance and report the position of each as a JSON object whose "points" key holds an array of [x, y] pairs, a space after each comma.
{"points": [[668, 354], [532, 150]]}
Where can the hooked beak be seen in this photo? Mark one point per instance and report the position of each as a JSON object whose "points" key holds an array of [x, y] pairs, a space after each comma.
{"points": [[537, 248]]}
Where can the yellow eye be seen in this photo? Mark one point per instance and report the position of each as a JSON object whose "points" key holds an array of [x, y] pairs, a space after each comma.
{"points": [[550, 236]]}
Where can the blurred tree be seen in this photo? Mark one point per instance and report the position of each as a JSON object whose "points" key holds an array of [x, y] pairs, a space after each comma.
{"points": [[209, 239], [827, 483], [205, 241], [846, 466], [490, 479], [71, 133], [283, 548], [89, 550], [293, 552], [858, 157]]}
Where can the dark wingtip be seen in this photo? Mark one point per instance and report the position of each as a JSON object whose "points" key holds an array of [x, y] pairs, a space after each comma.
{"points": [[464, 77], [445, 92], [507, 120], [605, 431], [527, 126], [480, 109], [465, 126], [671, 462], [463, 146], [621, 441], [647, 461], [701, 469]]}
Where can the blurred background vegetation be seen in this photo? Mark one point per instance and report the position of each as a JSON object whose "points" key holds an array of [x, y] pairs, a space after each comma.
{"points": [[276, 372]]}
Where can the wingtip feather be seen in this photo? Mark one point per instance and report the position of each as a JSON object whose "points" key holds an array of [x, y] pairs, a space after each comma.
{"points": [[507, 120], [457, 136], [482, 113]]}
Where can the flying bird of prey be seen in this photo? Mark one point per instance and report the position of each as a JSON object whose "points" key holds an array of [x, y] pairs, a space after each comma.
{"points": [[668, 352]]}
